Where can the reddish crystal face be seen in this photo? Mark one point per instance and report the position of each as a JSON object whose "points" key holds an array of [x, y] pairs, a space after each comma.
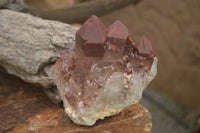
{"points": [[95, 50], [144, 48], [117, 31], [91, 37], [117, 35], [86, 73]]}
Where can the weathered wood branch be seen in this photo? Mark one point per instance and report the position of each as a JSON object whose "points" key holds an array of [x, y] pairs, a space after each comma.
{"points": [[80, 12], [29, 46]]}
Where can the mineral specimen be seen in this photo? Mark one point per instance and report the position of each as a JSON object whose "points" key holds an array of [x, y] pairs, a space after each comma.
{"points": [[105, 74]]}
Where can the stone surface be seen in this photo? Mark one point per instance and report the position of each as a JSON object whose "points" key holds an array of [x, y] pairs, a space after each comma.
{"points": [[93, 87], [24, 110]]}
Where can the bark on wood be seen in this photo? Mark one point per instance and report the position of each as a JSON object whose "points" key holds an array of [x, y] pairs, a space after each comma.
{"points": [[29, 46], [24, 110], [80, 12]]}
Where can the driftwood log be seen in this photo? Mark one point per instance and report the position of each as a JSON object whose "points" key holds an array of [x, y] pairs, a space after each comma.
{"points": [[29, 46]]}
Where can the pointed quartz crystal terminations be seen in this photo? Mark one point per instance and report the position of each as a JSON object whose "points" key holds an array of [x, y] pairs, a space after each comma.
{"points": [[144, 48], [91, 37], [106, 73], [118, 34]]}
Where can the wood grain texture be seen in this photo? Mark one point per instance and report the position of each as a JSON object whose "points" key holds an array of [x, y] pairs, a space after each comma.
{"points": [[29, 46]]}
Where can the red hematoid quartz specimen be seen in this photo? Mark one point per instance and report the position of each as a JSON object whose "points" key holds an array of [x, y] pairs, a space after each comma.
{"points": [[106, 73]]}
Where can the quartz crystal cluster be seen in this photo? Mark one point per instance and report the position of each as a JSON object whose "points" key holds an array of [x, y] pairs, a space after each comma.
{"points": [[105, 74]]}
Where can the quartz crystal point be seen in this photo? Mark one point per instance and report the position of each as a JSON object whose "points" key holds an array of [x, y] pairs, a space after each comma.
{"points": [[105, 74]]}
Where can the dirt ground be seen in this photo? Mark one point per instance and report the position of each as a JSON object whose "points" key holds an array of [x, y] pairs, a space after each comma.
{"points": [[173, 26]]}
